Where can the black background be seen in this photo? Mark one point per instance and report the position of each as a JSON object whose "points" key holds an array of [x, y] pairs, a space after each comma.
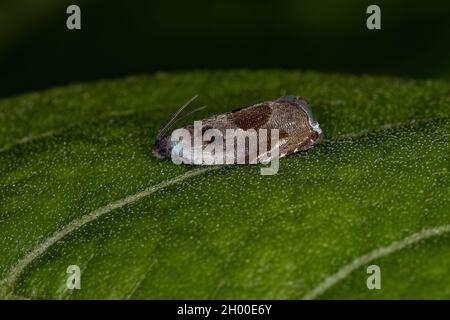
{"points": [[136, 36]]}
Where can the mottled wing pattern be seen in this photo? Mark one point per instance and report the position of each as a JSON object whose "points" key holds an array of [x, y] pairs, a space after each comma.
{"points": [[253, 117], [295, 130], [291, 115]]}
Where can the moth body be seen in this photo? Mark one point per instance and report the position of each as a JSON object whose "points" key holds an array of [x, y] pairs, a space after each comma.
{"points": [[290, 115]]}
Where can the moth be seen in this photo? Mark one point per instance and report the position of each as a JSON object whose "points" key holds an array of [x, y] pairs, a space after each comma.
{"points": [[290, 116]]}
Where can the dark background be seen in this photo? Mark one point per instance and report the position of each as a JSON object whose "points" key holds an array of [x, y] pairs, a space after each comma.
{"points": [[136, 36]]}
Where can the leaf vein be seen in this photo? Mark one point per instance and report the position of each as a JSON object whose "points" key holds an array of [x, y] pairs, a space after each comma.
{"points": [[344, 271], [7, 283]]}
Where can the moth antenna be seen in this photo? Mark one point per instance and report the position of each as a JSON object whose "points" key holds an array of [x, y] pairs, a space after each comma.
{"points": [[191, 112], [184, 116], [175, 117]]}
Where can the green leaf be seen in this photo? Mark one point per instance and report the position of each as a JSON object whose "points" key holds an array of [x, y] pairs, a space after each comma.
{"points": [[79, 186]]}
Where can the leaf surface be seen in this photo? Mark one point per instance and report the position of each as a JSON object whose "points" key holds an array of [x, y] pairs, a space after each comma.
{"points": [[79, 186]]}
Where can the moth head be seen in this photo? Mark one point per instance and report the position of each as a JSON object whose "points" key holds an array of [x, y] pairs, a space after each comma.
{"points": [[161, 148]]}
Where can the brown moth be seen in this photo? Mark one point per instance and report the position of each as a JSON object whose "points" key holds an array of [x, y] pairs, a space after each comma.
{"points": [[291, 115]]}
